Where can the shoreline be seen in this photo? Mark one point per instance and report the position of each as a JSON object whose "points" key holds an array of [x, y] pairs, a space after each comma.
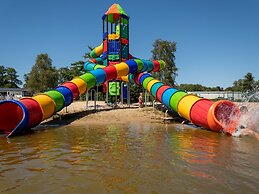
{"points": [[76, 114]]}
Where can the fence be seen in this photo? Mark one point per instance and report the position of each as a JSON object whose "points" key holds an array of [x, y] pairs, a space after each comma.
{"points": [[230, 95]]}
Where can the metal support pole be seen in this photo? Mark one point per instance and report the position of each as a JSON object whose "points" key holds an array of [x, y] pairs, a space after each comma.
{"points": [[107, 93], [145, 98], [97, 93], [128, 94], [166, 113], [115, 103], [93, 97], [122, 93], [107, 40], [154, 105], [86, 99]]}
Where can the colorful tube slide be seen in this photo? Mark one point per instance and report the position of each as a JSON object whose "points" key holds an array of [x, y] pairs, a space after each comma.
{"points": [[97, 51], [217, 116], [16, 117]]}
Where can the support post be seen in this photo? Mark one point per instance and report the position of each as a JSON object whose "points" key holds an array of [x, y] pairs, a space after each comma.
{"points": [[122, 93], [128, 94], [97, 93], [86, 99], [107, 93], [145, 98]]}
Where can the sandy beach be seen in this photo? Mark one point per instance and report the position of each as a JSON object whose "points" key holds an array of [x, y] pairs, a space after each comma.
{"points": [[78, 114]]}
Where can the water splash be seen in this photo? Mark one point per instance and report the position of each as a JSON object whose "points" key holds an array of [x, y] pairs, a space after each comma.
{"points": [[251, 95], [250, 119]]}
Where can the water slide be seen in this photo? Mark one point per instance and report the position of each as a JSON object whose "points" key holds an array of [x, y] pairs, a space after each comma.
{"points": [[97, 51], [16, 117]]}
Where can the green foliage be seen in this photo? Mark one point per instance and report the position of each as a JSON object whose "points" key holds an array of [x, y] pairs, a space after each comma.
{"points": [[247, 84], [191, 87], [164, 50], [198, 87], [9, 78], [68, 73], [43, 75]]}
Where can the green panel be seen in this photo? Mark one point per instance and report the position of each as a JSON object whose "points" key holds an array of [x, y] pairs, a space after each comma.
{"points": [[177, 96], [112, 88], [125, 51], [145, 82], [124, 20], [118, 29], [124, 35], [114, 57], [58, 99], [89, 79], [124, 29], [125, 55]]}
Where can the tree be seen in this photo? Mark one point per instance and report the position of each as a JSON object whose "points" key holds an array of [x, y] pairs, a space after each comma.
{"points": [[191, 87], [164, 50], [12, 78], [68, 73], [2, 76], [77, 68], [237, 86], [64, 74], [43, 75], [247, 84], [198, 87], [9, 78]]}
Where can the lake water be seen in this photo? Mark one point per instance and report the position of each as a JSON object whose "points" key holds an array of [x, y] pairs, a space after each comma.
{"points": [[133, 158]]}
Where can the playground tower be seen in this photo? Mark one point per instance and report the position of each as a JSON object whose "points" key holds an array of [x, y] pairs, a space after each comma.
{"points": [[115, 45], [115, 35]]}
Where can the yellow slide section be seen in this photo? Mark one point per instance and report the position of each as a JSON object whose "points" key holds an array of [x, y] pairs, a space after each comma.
{"points": [[97, 51]]}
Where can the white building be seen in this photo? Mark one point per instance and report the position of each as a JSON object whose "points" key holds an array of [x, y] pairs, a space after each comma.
{"points": [[13, 93]]}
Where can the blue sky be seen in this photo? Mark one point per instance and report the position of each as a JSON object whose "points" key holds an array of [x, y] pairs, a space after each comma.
{"points": [[217, 40]]}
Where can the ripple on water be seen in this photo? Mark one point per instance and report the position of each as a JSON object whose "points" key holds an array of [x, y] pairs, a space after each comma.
{"points": [[133, 158]]}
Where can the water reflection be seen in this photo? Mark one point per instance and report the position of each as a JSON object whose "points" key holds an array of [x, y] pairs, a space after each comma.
{"points": [[133, 158]]}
